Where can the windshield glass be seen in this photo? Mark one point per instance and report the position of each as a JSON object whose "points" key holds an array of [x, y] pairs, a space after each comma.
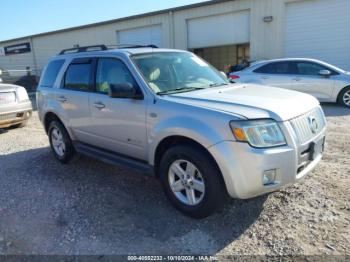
{"points": [[170, 72]]}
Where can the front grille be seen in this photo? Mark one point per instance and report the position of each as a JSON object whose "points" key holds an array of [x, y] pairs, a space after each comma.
{"points": [[309, 125], [7, 98], [8, 116]]}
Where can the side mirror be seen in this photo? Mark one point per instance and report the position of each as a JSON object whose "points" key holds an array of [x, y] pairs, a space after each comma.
{"points": [[223, 73], [124, 90], [325, 73]]}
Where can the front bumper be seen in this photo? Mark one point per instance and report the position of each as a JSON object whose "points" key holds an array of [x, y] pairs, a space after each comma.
{"points": [[15, 114], [243, 166]]}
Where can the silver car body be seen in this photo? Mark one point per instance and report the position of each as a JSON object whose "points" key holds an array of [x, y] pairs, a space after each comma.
{"points": [[324, 88], [136, 128], [15, 106]]}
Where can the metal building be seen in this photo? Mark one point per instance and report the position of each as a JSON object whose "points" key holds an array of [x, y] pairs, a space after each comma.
{"points": [[223, 32]]}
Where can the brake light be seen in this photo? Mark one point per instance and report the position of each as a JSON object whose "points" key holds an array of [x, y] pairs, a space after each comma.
{"points": [[233, 76]]}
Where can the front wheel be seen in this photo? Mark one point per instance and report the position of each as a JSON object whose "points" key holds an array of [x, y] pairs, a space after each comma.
{"points": [[344, 97], [192, 181]]}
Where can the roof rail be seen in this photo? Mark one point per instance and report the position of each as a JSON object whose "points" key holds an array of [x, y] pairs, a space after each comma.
{"points": [[122, 46], [80, 49], [91, 48]]}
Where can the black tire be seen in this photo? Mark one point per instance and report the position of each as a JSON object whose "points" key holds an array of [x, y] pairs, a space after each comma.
{"points": [[215, 191], [341, 96], [69, 153]]}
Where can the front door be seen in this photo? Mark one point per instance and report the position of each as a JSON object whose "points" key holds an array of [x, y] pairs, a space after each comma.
{"points": [[308, 80], [118, 124]]}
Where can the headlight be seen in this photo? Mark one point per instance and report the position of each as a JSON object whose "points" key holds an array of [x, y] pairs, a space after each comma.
{"points": [[258, 133], [22, 94]]}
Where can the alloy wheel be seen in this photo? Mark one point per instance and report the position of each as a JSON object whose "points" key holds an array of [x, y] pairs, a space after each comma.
{"points": [[346, 98], [57, 142], [186, 182]]}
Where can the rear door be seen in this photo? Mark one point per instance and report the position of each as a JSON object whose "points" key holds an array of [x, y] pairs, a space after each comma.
{"points": [[308, 80], [73, 97], [118, 124], [276, 74]]}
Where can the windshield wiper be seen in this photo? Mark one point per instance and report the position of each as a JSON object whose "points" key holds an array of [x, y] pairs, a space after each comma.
{"points": [[179, 90], [218, 84]]}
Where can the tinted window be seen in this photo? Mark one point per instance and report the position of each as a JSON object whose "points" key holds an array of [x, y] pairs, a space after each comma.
{"points": [[307, 68], [78, 77], [51, 72], [276, 68], [112, 72]]}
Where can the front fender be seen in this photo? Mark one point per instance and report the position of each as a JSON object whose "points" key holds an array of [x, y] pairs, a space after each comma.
{"points": [[194, 129]]}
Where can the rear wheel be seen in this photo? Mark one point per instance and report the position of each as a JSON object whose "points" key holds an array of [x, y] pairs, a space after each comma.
{"points": [[344, 97], [192, 181], [61, 143]]}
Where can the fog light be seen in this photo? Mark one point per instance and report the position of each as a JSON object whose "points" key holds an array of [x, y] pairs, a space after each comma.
{"points": [[269, 177]]}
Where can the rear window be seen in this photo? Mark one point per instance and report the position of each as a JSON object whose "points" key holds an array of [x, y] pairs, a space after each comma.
{"points": [[78, 77], [275, 68], [51, 72]]}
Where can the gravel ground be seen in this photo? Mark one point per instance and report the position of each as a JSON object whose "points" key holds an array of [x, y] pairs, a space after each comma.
{"points": [[90, 207]]}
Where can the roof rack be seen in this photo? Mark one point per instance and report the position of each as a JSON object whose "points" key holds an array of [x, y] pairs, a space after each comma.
{"points": [[80, 49], [136, 46], [91, 48]]}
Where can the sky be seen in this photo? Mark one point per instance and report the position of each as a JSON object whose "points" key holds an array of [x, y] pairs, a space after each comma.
{"points": [[22, 17]]}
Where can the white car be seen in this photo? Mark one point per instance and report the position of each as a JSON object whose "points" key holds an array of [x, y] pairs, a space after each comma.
{"points": [[15, 106], [324, 81]]}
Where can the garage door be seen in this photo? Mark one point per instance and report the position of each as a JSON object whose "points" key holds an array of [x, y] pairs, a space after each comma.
{"points": [[319, 29], [141, 36], [219, 30]]}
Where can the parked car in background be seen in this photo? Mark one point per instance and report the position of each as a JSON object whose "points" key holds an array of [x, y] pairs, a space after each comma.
{"points": [[169, 113], [15, 106], [324, 81]]}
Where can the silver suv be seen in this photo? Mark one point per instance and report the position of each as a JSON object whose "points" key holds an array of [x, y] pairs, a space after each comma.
{"points": [[169, 113]]}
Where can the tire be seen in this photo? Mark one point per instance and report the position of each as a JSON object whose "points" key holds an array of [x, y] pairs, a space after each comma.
{"points": [[60, 142], [344, 97], [214, 193]]}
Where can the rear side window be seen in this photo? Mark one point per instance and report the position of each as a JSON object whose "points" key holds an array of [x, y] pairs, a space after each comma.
{"points": [[51, 72], [276, 68], [78, 77]]}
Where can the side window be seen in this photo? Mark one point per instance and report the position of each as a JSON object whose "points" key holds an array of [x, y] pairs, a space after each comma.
{"points": [[111, 71], [307, 68], [51, 72], [78, 77], [275, 68]]}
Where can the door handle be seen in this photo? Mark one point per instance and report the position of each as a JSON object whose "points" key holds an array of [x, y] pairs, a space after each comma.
{"points": [[62, 99], [264, 77], [297, 79], [99, 105]]}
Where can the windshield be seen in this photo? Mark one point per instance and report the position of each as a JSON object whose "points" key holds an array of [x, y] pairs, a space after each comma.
{"points": [[171, 72]]}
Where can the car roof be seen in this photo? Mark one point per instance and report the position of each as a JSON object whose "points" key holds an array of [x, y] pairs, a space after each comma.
{"points": [[264, 62], [293, 59], [127, 51]]}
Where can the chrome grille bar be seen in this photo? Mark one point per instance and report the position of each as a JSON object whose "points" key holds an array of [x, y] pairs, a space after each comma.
{"points": [[7, 98], [303, 127]]}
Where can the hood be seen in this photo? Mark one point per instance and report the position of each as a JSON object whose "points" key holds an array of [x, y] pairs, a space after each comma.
{"points": [[250, 101]]}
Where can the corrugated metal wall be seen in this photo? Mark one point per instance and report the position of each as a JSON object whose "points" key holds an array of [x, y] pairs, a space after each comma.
{"points": [[266, 39]]}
